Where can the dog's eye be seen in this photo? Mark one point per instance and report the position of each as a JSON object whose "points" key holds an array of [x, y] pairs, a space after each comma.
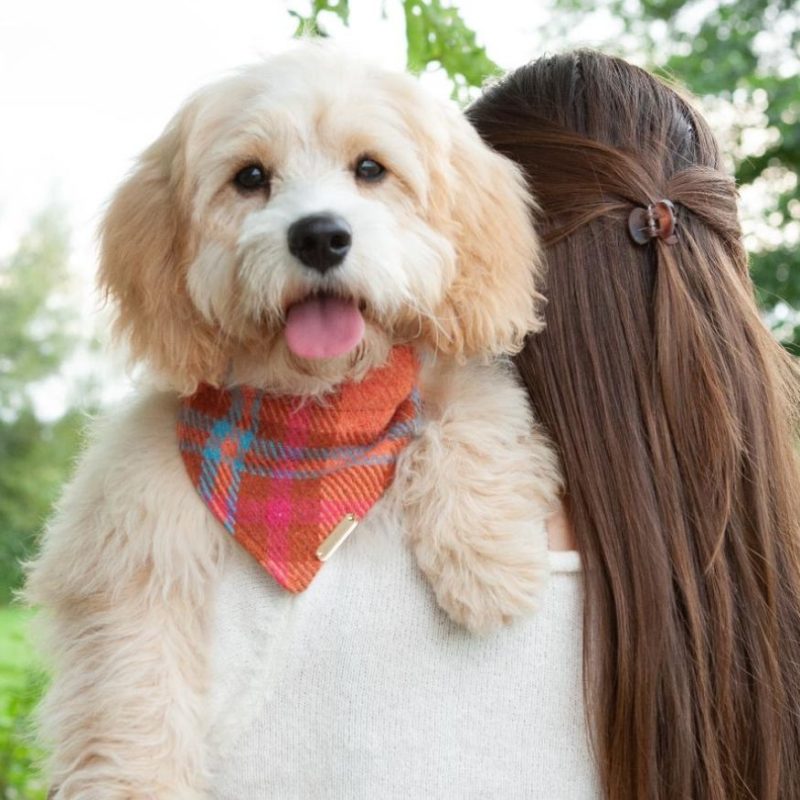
{"points": [[251, 177], [368, 169]]}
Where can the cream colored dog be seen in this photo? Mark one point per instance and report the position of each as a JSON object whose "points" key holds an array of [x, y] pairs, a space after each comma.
{"points": [[430, 241]]}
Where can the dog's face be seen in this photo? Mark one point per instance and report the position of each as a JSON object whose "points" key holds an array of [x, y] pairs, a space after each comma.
{"points": [[295, 221]]}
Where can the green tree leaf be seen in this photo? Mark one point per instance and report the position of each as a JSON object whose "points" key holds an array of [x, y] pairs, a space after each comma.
{"points": [[35, 339], [436, 35], [309, 24]]}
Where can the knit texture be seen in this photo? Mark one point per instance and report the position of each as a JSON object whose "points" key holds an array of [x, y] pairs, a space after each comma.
{"points": [[363, 688], [281, 472]]}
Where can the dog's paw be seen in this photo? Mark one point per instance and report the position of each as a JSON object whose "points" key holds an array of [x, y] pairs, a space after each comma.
{"points": [[478, 486], [486, 589]]}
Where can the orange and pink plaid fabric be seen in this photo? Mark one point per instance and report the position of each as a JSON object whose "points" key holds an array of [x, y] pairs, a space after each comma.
{"points": [[281, 472]]}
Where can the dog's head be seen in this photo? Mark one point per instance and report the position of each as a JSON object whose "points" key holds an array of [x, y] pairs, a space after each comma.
{"points": [[295, 220]]}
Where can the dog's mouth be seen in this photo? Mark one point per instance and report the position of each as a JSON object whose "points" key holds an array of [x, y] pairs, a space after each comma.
{"points": [[324, 325]]}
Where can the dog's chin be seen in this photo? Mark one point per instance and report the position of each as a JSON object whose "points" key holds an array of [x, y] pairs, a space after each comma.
{"points": [[275, 368]]}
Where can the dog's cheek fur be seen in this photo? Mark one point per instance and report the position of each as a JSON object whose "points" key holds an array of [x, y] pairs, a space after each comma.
{"points": [[210, 280], [427, 259], [145, 244], [482, 199]]}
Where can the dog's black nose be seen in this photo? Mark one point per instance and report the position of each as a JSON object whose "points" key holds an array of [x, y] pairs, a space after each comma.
{"points": [[320, 241]]}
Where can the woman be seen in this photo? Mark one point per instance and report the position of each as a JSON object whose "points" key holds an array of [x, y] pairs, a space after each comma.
{"points": [[675, 413]]}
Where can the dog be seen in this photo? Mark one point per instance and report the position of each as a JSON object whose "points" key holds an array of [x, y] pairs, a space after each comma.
{"points": [[294, 225]]}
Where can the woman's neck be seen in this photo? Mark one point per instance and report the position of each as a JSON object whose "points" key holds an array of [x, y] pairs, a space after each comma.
{"points": [[560, 535]]}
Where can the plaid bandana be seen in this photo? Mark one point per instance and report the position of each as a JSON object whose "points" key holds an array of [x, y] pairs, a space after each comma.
{"points": [[283, 474]]}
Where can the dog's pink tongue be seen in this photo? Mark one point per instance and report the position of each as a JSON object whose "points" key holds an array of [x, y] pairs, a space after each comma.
{"points": [[323, 327]]}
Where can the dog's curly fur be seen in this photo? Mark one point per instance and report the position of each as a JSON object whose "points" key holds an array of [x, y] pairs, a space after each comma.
{"points": [[443, 254]]}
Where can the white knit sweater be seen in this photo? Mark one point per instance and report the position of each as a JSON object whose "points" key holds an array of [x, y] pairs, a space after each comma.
{"points": [[362, 688]]}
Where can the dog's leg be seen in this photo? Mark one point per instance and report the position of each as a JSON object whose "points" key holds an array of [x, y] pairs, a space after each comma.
{"points": [[124, 579], [477, 486]]}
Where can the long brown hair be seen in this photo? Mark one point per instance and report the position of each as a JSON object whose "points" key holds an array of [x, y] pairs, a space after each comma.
{"points": [[675, 414]]}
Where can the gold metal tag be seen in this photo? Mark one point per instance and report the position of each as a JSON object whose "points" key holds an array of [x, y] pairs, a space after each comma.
{"points": [[336, 537]]}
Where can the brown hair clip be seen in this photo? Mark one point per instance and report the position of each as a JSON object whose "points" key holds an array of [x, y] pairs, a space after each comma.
{"points": [[657, 221]]}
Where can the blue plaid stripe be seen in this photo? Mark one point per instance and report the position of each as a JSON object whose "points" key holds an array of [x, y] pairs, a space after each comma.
{"points": [[219, 470], [266, 450]]}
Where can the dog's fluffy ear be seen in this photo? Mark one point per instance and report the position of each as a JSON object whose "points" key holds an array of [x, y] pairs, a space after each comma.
{"points": [[145, 249], [492, 302]]}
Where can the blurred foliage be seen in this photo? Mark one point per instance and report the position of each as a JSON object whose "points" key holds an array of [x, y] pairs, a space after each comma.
{"points": [[436, 35], [35, 458], [309, 25], [35, 338], [33, 342], [742, 56], [19, 757], [21, 685]]}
